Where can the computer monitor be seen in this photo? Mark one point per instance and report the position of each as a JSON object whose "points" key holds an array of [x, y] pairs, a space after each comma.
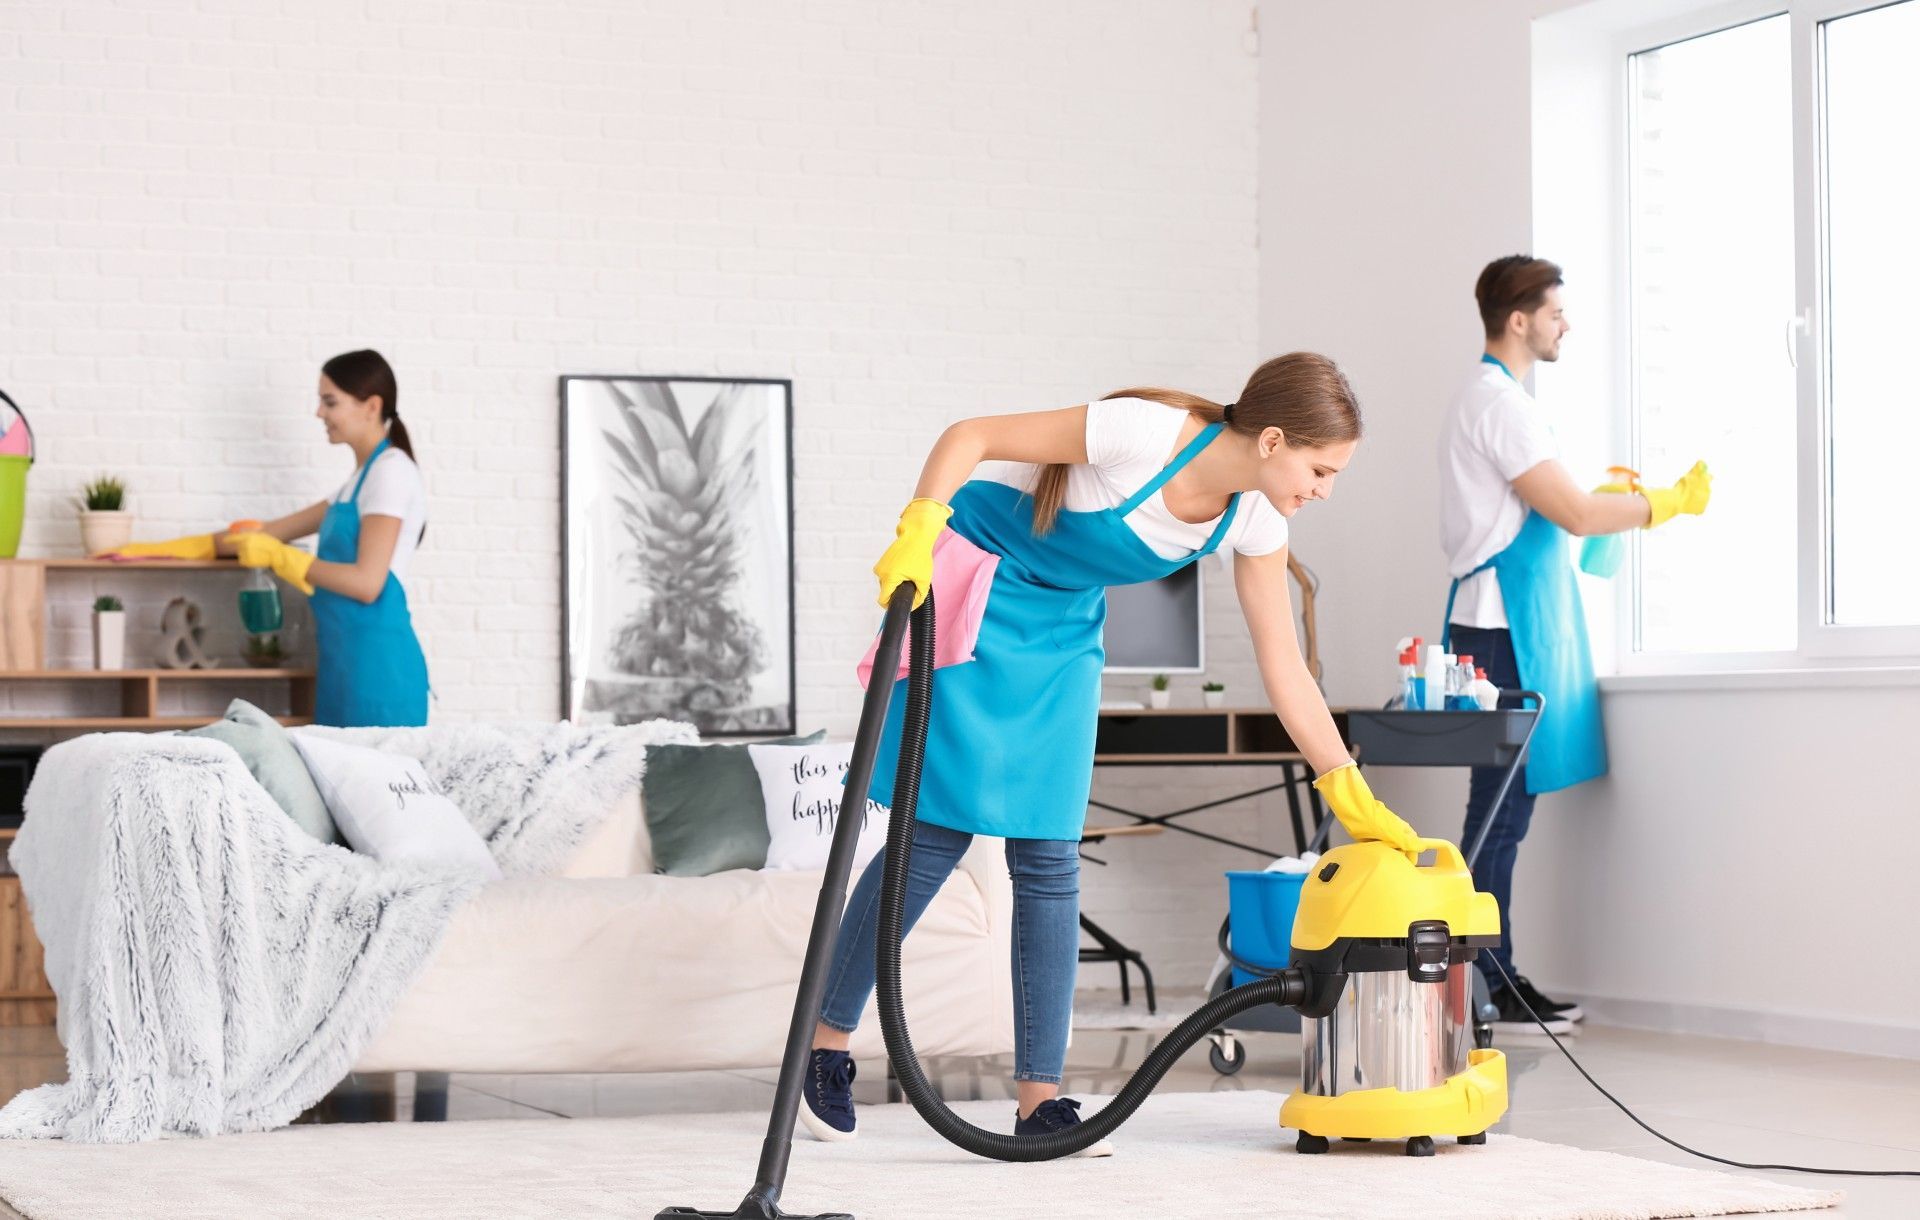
{"points": [[1158, 627]]}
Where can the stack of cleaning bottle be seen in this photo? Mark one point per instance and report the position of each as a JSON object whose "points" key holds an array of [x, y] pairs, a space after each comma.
{"points": [[1439, 681]]}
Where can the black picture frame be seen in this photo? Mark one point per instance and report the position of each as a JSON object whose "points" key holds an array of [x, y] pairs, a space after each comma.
{"points": [[668, 524]]}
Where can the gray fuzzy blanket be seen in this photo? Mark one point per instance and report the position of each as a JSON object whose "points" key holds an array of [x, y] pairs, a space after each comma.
{"points": [[218, 969]]}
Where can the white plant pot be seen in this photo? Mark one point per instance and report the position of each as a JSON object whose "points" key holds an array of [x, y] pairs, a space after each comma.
{"points": [[1214, 698], [1160, 698], [109, 639], [105, 531]]}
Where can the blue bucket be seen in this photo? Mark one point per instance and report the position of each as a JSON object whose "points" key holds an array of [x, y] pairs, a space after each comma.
{"points": [[1260, 911]]}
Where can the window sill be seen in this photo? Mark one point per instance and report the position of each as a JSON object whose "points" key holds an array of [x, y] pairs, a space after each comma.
{"points": [[1767, 679]]}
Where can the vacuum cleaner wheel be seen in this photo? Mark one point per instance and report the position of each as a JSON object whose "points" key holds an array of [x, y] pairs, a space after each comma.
{"points": [[1312, 1145], [1227, 1054]]}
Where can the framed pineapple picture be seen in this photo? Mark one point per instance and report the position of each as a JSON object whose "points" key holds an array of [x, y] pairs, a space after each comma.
{"points": [[676, 527]]}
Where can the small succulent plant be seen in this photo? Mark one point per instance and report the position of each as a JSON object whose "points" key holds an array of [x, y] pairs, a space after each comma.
{"points": [[104, 494]]}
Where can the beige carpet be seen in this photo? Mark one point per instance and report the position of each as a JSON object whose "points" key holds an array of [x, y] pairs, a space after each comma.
{"points": [[1184, 1155]]}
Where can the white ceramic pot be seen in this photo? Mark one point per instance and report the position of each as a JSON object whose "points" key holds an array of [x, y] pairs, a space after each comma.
{"points": [[1160, 698], [1214, 698], [105, 531], [109, 639]]}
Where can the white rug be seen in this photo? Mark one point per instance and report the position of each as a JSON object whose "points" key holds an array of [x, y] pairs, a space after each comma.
{"points": [[1102, 1009], [1184, 1154]]}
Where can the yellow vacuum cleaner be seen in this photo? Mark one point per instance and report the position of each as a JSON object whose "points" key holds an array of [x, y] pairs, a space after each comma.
{"points": [[1391, 1056]]}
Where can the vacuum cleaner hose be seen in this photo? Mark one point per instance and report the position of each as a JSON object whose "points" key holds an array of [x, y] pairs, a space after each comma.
{"points": [[1289, 987]]}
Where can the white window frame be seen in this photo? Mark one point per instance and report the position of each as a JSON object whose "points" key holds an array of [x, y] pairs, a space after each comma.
{"points": [[1821, 644]]}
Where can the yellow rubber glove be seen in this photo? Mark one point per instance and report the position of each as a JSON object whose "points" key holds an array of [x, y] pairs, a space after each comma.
{"points": [[196, 546], [1361, 812], [1689, 496], [910, 558], [289, 563]]}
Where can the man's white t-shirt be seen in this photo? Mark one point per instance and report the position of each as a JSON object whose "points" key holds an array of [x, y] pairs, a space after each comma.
{"points": [[394, 488], [1492, 435], [1129, 441]]}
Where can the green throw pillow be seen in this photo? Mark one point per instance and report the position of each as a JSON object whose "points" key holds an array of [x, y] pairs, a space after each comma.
{"points": [[263, 745], [704, 810]]}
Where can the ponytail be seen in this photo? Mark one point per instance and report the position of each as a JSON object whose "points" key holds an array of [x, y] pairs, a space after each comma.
{"points": [[397, 433]]}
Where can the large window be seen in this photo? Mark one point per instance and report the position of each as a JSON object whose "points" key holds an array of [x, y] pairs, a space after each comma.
{"points": [[1773, 292], [1871, 75]]}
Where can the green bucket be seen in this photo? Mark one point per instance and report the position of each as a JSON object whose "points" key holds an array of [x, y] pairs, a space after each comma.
{"points": [[13, 502]]}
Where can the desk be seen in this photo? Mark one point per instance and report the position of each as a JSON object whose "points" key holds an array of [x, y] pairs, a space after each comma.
{"points": [[1212, 737]]}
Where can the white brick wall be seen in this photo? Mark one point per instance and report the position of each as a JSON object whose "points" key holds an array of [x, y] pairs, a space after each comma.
{"points": [[916, 211]]}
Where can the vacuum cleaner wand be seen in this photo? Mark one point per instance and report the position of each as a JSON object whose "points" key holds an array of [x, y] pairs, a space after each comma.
{"points": [[762, 1202]]}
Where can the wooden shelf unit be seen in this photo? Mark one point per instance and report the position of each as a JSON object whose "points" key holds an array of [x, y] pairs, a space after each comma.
{"points": [[23, 607]]}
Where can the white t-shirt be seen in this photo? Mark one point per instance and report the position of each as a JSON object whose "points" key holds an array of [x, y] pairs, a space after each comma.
{"points": [[1492, 435], [1129, 441], [394, 488]]}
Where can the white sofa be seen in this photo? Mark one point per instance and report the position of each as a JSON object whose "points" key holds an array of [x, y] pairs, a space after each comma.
{"points": [[609, 967]]}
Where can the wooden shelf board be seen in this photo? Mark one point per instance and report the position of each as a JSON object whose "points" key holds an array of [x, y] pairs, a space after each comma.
{"points": [[127, 723], [165, 675], [131, 565]]}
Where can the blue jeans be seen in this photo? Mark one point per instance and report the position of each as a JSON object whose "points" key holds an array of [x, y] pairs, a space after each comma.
{"points": [[1492, 650], [1046, 939]]}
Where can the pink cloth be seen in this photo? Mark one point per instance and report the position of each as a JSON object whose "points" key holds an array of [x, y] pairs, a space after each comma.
{"points": [[14, 441], [962, 577]]}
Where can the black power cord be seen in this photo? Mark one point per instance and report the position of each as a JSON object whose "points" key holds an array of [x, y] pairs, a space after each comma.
{"points": [[1705, 1156]]}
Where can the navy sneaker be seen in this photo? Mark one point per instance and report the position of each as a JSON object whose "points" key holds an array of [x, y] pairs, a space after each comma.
{"points": [[1054, 1116], [826, 1095], [1546, 1006]]}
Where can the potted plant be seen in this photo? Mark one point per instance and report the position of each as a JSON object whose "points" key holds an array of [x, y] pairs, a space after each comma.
{"points": [[104, 524], [1160, 695], [264, 652], [1215, 693], [109, 633]]}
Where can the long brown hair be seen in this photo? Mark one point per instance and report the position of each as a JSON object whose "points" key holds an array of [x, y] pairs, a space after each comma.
{"points": [[363, 374], [1303, 394]]}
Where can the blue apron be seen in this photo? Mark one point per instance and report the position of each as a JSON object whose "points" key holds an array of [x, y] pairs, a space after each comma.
{"points": [[371, 669], [1010, 746], [1549, 630]]}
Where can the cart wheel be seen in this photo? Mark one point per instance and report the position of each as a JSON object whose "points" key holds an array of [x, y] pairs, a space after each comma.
{"points": [[1420, 1145], [1227, 1054], [1311, 1145], [1471, 1140]]}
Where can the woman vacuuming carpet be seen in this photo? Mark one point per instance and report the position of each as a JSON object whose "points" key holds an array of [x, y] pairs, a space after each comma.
{"points": [[1052, 507]]}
